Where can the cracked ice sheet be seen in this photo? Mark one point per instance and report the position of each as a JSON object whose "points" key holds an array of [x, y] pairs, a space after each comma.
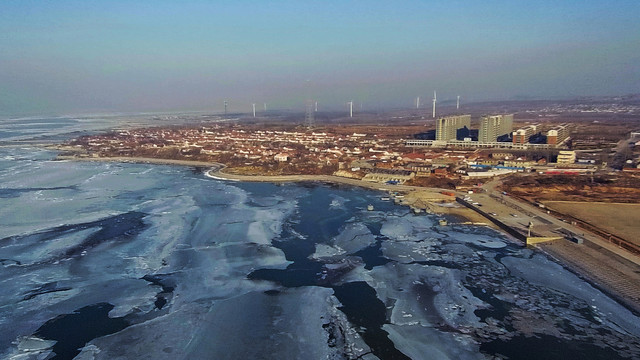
{"points": [[426, 295], [539, 270], [267, 224], [422, 298], [243, 223], [31, 348], [353, 237], [324, 251], [406, 227], [287, 325], [419, 342], [50, 193], [407, 252], [175, 224], [25, 317], [477, 236], [33, 249]]}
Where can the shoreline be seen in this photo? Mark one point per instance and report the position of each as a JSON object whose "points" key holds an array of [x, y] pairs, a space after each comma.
{"points": [[416, 197], [421, 198], [138, 160]]}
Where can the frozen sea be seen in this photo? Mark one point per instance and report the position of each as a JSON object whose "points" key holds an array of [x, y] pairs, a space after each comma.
{"points": [[137, 261]]}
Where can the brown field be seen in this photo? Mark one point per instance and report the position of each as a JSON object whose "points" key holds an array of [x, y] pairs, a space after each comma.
{"points": [[617, 218]]}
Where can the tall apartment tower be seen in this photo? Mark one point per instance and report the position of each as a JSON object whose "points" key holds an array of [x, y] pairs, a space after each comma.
{"points": [[447, 127], [492, 127]]}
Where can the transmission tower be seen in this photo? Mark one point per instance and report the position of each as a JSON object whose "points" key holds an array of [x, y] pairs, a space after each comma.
{"points": [[309, 114]]}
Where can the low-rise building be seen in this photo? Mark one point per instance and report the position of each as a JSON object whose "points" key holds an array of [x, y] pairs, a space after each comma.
{"points": [[282, 157], [566, 157]]}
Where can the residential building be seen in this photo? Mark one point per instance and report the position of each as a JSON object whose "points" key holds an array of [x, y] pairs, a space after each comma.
{"points": [[492, 127], [558, 134], [522, 135], [447, 127]]}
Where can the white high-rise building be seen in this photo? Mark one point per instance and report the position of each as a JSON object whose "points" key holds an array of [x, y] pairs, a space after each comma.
{"points": [[492, 127], [447, 127]]}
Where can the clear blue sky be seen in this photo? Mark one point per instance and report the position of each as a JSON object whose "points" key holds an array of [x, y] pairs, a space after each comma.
{"points": [[94, 56]]}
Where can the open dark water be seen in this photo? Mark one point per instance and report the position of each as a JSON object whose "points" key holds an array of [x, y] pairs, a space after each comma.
{"points": [[129, 261]]}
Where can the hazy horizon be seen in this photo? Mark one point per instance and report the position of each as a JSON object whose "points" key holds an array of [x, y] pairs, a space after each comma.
{"points": [[91, 56]]}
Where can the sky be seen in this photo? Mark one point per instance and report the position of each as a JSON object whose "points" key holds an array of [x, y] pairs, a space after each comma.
{"points": [[117, 56]]}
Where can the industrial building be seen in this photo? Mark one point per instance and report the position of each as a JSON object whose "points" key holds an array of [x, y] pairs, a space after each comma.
{"points": [[558, 134], [492, 127], [522, 135], [447, 127]]}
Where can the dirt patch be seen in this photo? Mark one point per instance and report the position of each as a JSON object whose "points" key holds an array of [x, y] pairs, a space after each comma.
{"points": [[619, 219], [606, 188]]}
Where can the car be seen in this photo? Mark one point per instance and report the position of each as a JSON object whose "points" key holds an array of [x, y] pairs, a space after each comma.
{"points": [[493, 214], [514, 215]]}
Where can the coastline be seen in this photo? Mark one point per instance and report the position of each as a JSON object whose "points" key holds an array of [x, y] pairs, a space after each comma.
{"points": [[139, 160], [587, 264], [415, 197]]}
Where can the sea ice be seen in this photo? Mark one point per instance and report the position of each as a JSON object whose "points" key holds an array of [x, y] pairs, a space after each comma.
{"points": [[326, 251], [353, 237], [419, 342], [539, 270], [287, 324], [482, 240]]}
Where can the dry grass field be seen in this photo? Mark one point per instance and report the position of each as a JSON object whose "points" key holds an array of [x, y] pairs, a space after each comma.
{"points": [[617, 218]]}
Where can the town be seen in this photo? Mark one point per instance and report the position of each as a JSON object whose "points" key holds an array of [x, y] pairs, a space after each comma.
{"points": [[452, 155]]}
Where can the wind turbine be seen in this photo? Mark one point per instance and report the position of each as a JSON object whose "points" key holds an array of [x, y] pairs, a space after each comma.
{"points": [[434, 105]]}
